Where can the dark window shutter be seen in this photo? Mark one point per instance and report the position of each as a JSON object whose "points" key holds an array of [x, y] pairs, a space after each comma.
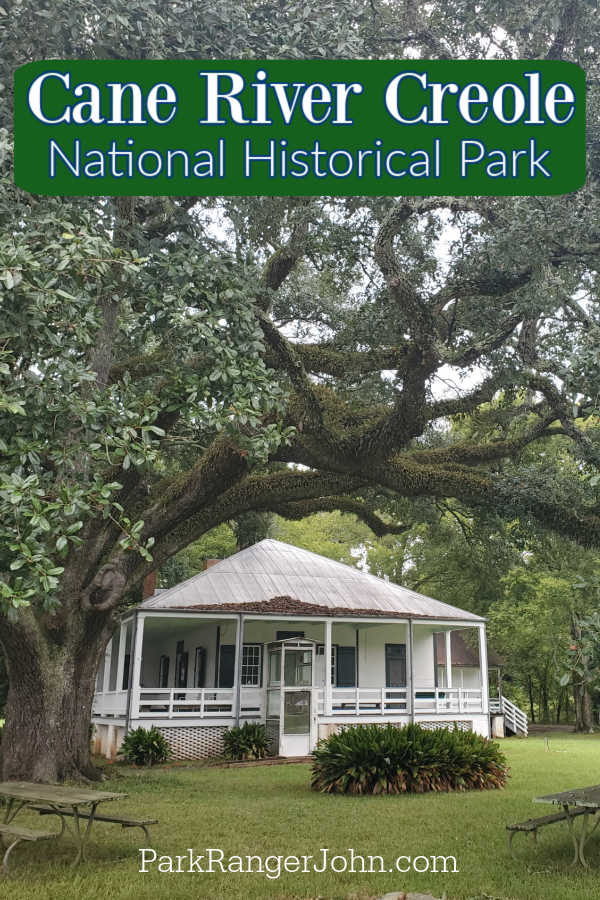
{"points": [[226, 665], [199, 667], [395, 665], [346, 667], [125, 684]]}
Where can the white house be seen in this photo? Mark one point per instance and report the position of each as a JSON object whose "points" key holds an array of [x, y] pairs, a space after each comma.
{"points": [[248, 640]]}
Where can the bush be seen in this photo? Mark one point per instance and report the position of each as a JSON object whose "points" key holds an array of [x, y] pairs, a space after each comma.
{"points": [[145, 747], [384, 759], [246, 742]]}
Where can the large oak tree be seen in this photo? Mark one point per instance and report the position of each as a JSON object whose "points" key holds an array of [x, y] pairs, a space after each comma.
{"points": [[170, 364]]}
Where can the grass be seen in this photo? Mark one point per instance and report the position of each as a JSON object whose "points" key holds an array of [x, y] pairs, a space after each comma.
{"points": [[271, 810]]}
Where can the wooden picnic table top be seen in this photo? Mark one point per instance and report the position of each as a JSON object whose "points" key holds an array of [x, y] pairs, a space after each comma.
{"points": [[54, 793], [586, 796]]}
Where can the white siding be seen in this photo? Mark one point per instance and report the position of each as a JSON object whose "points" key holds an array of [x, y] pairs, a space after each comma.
{"points": [[196, 634], [423, 655], [462, 676], [372, 639]]}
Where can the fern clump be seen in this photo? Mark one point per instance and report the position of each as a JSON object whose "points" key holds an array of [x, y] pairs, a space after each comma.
{"points": [[145, 747], [385, 759], [248, 741]]}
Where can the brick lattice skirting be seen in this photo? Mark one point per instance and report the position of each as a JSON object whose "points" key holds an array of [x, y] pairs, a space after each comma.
{"points": [[196, 742], [460, 724], [205, 742]]}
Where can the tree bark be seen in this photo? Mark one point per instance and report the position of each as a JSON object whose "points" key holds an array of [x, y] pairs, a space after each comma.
{"points": [[544, 698], [51, 674], [584, 719], [530, 694], [587, 716]]}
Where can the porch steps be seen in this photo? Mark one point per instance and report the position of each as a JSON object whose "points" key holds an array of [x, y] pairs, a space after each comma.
{"points": [[270, 761], [514, 718]]}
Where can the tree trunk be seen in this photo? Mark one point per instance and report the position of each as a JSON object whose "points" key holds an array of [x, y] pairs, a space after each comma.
{"points": [[584, 719], [530, 694], [587, 717], [578, 709], [51, 673], [544, 698]]}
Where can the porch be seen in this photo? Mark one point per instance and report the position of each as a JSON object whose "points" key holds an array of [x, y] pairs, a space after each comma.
{"points": [[199, 670]]}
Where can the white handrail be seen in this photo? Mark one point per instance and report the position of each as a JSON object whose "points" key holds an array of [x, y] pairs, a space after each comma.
{"points": [[212, 703], [440, 700], [110, 703], [174, 703], [514, 717]]}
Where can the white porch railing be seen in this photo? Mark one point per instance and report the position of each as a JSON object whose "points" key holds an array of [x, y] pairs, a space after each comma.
{"points": [[219, 703], [197, 703], [396, 701], [439, 701], [110, 703], [363, 701], [514, 718]]}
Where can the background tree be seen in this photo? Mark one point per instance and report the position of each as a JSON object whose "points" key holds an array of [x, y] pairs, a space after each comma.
{"points": [[339, 536], [160, 375]]}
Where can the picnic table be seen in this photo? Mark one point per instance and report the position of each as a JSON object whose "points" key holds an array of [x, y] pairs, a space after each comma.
{"points": [[49, 799], [578, 803]]}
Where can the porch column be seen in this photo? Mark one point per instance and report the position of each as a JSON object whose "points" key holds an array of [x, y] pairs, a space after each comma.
{"points": [[327, 662], [447, 635], [121, 657], [483, 669], [237, 679], [136, 674], [107, 667], [411, 672]]}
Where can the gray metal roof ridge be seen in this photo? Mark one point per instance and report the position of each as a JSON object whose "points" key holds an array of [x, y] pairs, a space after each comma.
{"points": [[346, 573]]}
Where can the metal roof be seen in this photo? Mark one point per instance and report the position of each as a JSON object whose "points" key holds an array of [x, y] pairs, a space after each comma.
{"points": [[272, 569]]}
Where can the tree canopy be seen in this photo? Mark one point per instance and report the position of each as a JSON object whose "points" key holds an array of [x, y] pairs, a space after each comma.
{"points": [[167, 365]]}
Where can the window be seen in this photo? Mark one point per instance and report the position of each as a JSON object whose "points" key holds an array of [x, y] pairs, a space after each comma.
{"points": [[297, 667], [289, 635], [274, 667], [252, 664]]}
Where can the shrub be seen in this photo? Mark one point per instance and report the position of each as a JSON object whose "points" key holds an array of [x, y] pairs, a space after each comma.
{"points": [[145, 747], [384, 759], [246, 742]]}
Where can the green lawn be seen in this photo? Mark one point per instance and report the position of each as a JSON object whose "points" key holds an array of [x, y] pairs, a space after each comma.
{"points": [[271, 810]]}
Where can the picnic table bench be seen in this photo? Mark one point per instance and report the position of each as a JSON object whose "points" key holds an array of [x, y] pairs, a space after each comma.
{"points": [[124, 823], [66, 802], [532, 826], [16, 834], [575, 803]]}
